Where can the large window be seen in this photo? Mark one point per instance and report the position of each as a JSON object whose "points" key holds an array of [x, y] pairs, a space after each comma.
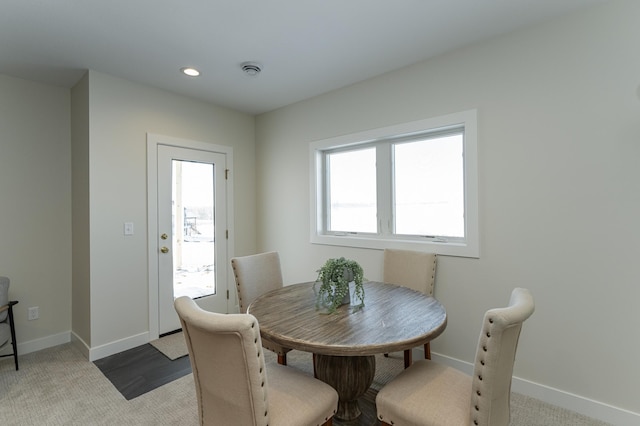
{"points": [[412, 186]]}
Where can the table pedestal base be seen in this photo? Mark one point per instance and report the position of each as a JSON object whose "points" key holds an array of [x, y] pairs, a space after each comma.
{"points": [[350, 376]]}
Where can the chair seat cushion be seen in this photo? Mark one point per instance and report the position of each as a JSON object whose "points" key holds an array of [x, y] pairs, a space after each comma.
{"points": [[426, 394], [297, 399], [5, 333]]}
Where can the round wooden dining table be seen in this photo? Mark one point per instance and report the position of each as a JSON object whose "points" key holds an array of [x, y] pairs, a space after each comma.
{"points": [[344, 342]]}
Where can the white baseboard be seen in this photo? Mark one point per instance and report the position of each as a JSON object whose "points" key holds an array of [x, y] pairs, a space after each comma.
{"points": [[92, 354], [579, 404], [118, 346], [80, 344], [43, 343]]}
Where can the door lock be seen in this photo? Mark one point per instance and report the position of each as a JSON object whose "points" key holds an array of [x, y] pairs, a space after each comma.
{"points": [[164, 236], [164, 249]]}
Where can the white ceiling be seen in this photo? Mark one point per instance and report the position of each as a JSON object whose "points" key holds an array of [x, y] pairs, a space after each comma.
{"points": [[305, 47]]}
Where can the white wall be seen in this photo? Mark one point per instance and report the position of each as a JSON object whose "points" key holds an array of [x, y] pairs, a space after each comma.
{"points": [[559, 143], [35, 208], [121, 114], [80, 197], [111, 118]]}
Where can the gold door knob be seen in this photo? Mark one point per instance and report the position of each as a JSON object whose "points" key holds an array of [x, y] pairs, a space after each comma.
{"points": [[164, 249]]}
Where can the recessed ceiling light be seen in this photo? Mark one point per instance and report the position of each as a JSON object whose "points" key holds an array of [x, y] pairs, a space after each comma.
{"points": [[191, 72]]}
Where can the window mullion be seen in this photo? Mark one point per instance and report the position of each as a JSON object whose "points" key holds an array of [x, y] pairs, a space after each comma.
{"points": [[384, 187], [325, 176]]}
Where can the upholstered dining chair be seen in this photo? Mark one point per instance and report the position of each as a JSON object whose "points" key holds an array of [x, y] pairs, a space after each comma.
{"points": [[7, 326], [233, 384], [415, 270], [255, 275], [428, 393]]}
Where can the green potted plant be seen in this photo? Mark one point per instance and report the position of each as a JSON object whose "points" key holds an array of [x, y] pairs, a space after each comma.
{"points": [[334, 278]]}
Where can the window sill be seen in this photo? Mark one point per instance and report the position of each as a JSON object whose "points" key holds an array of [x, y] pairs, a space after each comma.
{"points": [[446, 248]]}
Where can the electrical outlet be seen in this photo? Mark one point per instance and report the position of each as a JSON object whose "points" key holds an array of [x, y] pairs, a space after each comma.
{"points": [[34, 313], [128, 228]]}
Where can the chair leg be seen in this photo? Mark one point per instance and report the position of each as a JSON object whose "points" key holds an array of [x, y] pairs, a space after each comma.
{"points": [[282, 359], [408, 358], [14, 344], [315, 374], [386, 355]]}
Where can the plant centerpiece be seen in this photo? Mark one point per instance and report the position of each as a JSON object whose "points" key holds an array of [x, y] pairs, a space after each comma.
{"points": [[334, 278]]}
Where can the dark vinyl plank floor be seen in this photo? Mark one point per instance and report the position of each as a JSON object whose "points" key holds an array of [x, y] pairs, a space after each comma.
{"points": [[142, 369]]}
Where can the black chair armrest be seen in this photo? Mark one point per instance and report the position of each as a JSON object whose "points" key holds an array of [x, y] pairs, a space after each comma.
{"points": [[8, 306]]}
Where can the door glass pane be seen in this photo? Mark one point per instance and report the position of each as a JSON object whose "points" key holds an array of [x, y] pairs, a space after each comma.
{"points": [[352, 191], [193, 226], [429, 187]]}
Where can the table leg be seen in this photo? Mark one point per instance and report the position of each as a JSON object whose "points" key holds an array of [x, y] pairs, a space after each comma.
{"points": [[350, 376]]}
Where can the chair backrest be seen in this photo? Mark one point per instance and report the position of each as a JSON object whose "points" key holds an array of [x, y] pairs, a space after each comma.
{"points": [[226, 356], [255, 275], [495, 356], [4, 297], [412, 269]]}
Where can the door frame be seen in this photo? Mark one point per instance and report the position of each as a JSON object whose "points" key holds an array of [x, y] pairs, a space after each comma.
{"points": [[153, 141]]}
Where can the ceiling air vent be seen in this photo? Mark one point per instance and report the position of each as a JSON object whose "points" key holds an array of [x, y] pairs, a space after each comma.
{"points": [[251, 68]]}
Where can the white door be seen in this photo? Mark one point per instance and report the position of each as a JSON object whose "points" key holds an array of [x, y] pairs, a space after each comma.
{"points": [[191, 234]]}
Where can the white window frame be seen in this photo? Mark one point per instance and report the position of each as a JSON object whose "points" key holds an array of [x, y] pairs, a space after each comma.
{"points": [[466, 247]]}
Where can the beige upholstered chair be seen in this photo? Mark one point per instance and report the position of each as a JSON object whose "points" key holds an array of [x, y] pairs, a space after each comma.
{"points": [[428, 393], [7, 326], [256, 275], [233, 387], [415, 270]]}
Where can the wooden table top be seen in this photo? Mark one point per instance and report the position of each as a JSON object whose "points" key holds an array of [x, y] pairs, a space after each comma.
{"points": [[393, 319]]}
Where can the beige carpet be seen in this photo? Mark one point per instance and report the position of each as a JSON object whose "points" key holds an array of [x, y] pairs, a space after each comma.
{"points": [[58, 386], [172, 346]]}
